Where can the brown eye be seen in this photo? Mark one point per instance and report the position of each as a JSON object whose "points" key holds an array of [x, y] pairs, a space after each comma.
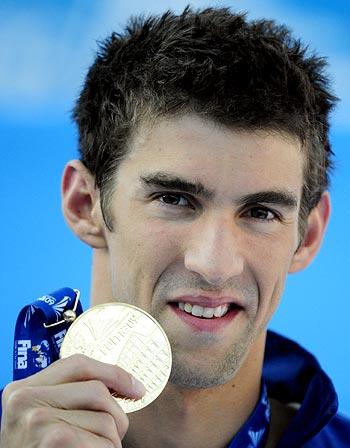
{"points": [[174, 199], [262, 214]]}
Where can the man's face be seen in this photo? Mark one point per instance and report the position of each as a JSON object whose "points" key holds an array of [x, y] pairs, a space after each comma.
{"points": [[205, 227]]}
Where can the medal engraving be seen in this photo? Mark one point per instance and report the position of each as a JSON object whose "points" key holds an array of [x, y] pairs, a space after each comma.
{"points": [[122, 334]]}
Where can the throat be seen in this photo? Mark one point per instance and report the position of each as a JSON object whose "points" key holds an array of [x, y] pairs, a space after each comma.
{"points": [[185, 418]]}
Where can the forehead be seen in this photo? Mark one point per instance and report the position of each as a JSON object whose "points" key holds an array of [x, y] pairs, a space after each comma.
{"points": [[218, 156]]}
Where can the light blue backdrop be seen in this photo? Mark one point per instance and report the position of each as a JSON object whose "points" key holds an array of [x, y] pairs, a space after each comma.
{"points": [[45, 50]]}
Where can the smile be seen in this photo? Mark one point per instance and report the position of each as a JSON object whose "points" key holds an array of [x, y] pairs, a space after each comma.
{"points": [[205, 312], [206, 318]]}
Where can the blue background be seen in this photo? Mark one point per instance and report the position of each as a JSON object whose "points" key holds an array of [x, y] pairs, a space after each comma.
{"points": [[46, 48]]}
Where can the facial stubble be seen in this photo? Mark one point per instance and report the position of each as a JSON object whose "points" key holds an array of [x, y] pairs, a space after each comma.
{"points": [[211, 371]]}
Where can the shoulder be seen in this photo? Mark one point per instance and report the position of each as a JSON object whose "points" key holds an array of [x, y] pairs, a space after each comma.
{"points": [[294, 376], [336, 434]]}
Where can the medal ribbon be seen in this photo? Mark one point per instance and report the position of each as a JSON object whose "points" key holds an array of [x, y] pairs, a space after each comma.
{"points": [[40, 329], [254, 432]]}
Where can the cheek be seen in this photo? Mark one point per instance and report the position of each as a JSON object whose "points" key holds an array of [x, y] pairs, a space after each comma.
{"points": [[271, 268], [156, 249], [148, 249]]}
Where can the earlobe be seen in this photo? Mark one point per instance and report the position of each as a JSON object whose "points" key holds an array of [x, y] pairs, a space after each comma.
{"points": [[81, 205], [316, 228]]}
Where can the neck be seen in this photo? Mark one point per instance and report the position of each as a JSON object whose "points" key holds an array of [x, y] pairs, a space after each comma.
{"points": [[101, 291], [208, 418]]}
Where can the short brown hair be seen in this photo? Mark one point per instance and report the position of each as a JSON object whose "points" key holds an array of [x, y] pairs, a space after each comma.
{"points": [[213, 62]]}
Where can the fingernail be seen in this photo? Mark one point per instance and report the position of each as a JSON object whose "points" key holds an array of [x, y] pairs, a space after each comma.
{"points": [[138, 387]]}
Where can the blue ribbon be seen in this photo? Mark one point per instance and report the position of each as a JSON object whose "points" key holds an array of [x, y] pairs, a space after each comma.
{"points": [[40, 330], [254, 432]]}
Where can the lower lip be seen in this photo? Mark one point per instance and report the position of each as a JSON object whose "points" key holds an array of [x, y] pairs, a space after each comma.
{"points": [[203, 324]]}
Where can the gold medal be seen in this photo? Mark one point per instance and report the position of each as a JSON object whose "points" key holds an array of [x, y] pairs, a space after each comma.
{"points": [[122, 334]]}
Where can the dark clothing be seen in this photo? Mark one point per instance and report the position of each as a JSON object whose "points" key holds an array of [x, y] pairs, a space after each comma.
{"points": [[293, 375]]}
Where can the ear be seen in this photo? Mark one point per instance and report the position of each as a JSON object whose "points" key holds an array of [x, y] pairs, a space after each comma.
{"points": [[316, 228], [81, 204]]}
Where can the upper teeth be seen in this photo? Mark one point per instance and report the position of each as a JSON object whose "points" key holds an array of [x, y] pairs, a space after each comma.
{"points": [[201, 311]]}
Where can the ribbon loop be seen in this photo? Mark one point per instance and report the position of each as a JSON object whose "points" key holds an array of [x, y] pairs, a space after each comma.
{"points": [[40, 329]]}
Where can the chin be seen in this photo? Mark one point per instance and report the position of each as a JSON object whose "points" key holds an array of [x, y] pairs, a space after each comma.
{"points": [[212, 369], [204, 375], [196, 380]]}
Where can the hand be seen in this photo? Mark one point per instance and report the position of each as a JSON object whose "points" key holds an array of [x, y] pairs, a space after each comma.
{"points": [[68, 405]]}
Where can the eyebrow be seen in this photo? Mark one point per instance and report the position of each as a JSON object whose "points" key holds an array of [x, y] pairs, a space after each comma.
{"points": [[171, 182], [175, 183], [280, 197]]}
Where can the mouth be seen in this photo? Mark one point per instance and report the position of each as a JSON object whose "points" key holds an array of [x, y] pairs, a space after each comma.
{"points": [[204, 311], [203, 317]]}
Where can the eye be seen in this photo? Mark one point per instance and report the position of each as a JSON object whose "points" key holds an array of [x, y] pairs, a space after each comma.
{"points": [[177, 200], [262, 214]]}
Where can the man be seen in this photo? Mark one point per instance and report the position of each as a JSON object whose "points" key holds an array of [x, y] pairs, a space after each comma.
{"points": [[202, 183]]}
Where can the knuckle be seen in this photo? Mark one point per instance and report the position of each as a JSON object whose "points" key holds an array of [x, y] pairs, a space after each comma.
{"points": [[99, 389], [100, 393], [58, 436], [108, 421], [9, 388], [16, 398], [108, 427], [123, 425], [36, 418], [80, 364], [7, 392]]}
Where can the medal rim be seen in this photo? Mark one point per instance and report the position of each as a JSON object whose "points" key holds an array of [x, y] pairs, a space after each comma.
{"points": [[140, 310], [102, 305]]}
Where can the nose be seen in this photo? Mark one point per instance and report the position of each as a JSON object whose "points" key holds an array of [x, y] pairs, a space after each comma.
{"points": [[213, 251]]}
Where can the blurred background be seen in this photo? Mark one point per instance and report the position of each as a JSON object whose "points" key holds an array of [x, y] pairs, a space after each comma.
{"points": [[46, 49]]}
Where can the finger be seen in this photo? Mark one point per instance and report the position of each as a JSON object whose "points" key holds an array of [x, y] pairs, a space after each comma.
{"points": [[82, 368], [99, 423], [30, 402], [62, 435], [89, 395]]}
